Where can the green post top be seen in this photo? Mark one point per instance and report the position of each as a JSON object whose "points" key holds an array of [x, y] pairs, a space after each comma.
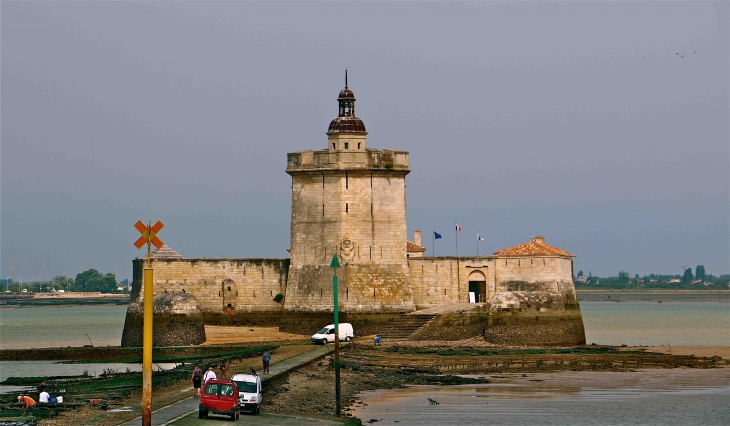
{"points": [[335, 262]]}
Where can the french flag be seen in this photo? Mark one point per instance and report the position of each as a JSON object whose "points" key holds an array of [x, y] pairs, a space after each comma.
{"points": [[458, 228]]}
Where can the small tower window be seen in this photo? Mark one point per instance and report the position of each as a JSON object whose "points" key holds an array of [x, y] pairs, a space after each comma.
{"points": [[347, 208], [333, 146], [358, 145], [347, 145]]}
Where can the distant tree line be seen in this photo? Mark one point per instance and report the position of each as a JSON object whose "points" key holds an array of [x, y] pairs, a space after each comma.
{"points": [[687, 281], [89, 280]]}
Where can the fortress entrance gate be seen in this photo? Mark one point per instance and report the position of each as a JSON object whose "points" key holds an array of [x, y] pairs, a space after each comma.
{"points": [[477, 287]]}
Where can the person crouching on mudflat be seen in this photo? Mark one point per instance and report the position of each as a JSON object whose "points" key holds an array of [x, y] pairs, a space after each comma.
{"points": [[27, 401]]}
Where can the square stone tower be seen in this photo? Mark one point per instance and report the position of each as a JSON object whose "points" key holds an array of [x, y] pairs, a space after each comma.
{"points": [[348, 200]]}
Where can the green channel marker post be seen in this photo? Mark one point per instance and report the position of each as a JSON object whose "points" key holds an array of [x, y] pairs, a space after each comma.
{"points": [[335, 265]]}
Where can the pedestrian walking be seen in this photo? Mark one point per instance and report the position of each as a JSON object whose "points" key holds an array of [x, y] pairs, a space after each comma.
{"points": [[266, 358], [210, 374], [376, 340], [197, 379]]}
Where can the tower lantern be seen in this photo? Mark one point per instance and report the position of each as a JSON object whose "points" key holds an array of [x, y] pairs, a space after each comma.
{"points": [[346, 132]]}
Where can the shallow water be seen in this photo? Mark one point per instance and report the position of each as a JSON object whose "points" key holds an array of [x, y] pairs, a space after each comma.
{"points": [[649, 323], [649, 397], [52, 327]]}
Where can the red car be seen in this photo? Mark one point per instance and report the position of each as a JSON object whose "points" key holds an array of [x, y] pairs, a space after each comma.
{"points": [[219, 397]]}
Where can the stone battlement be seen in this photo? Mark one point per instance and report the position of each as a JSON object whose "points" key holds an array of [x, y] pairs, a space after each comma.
{"points": [[370, 159]]}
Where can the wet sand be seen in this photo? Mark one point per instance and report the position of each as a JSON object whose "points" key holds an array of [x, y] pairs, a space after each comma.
{"points": [[221, 335], [657, 396], [700, 351]]}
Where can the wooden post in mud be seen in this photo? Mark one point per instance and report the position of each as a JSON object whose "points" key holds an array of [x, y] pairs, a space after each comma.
{"points": [[334, 265]]}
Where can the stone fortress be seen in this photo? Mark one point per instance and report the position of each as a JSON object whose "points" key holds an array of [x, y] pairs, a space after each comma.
{"points": [[349, 200]]}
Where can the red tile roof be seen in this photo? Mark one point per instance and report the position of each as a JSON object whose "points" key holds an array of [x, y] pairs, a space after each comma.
{"points": [[414, 247], [536, 247]]}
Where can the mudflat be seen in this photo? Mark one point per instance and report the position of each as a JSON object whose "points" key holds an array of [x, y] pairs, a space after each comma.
{"points": [[309, 391]]}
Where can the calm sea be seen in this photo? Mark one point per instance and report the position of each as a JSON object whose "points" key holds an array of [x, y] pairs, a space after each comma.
{"points": [[656, 319], [53, 327]]}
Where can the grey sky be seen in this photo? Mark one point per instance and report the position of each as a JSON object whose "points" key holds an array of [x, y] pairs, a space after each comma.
{"points": [[575, 120]]}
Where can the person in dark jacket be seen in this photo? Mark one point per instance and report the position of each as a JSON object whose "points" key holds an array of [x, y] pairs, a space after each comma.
{"points": [[197, 379]]}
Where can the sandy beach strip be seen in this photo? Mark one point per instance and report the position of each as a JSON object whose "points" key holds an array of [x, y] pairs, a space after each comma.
{"points": [[698, 351]]}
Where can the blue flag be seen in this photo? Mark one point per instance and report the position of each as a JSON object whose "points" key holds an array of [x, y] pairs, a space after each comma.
{"points": [[436, 235]]}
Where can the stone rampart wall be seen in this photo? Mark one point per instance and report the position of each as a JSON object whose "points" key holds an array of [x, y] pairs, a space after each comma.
{"points": [[247, 285], [444, 280], [370, 296], [534, 319], [552, 328], [533, 273]]}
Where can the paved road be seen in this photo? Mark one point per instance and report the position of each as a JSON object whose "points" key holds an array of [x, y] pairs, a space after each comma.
{"points": [[185, 412]]}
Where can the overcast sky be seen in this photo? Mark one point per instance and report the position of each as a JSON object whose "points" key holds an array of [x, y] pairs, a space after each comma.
{"points": [[602, 126]]}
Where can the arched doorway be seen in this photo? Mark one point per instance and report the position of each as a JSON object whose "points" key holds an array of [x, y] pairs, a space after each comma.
{"points": [[477, 287]]}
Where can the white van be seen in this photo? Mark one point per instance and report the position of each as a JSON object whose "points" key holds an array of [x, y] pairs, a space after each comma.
{"points": [[327, 334], [250, 392]]}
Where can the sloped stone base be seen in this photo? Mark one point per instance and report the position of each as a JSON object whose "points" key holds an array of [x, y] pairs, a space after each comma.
{"points": [[561, 328], [176, 321]]}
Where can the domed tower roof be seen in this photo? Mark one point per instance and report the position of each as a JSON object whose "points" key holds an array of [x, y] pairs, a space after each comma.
{"points": [[346, 94], [346, 122]]}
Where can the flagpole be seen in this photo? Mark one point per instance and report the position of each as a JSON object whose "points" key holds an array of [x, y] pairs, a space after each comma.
{"points": [[433, 244], [477, 242], [457, 239]]}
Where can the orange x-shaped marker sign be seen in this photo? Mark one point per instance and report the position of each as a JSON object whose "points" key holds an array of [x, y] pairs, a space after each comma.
{"points": [[148, 234]]}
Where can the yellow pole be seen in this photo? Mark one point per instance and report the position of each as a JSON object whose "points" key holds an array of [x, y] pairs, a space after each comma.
{"points": [[147, 350]]}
